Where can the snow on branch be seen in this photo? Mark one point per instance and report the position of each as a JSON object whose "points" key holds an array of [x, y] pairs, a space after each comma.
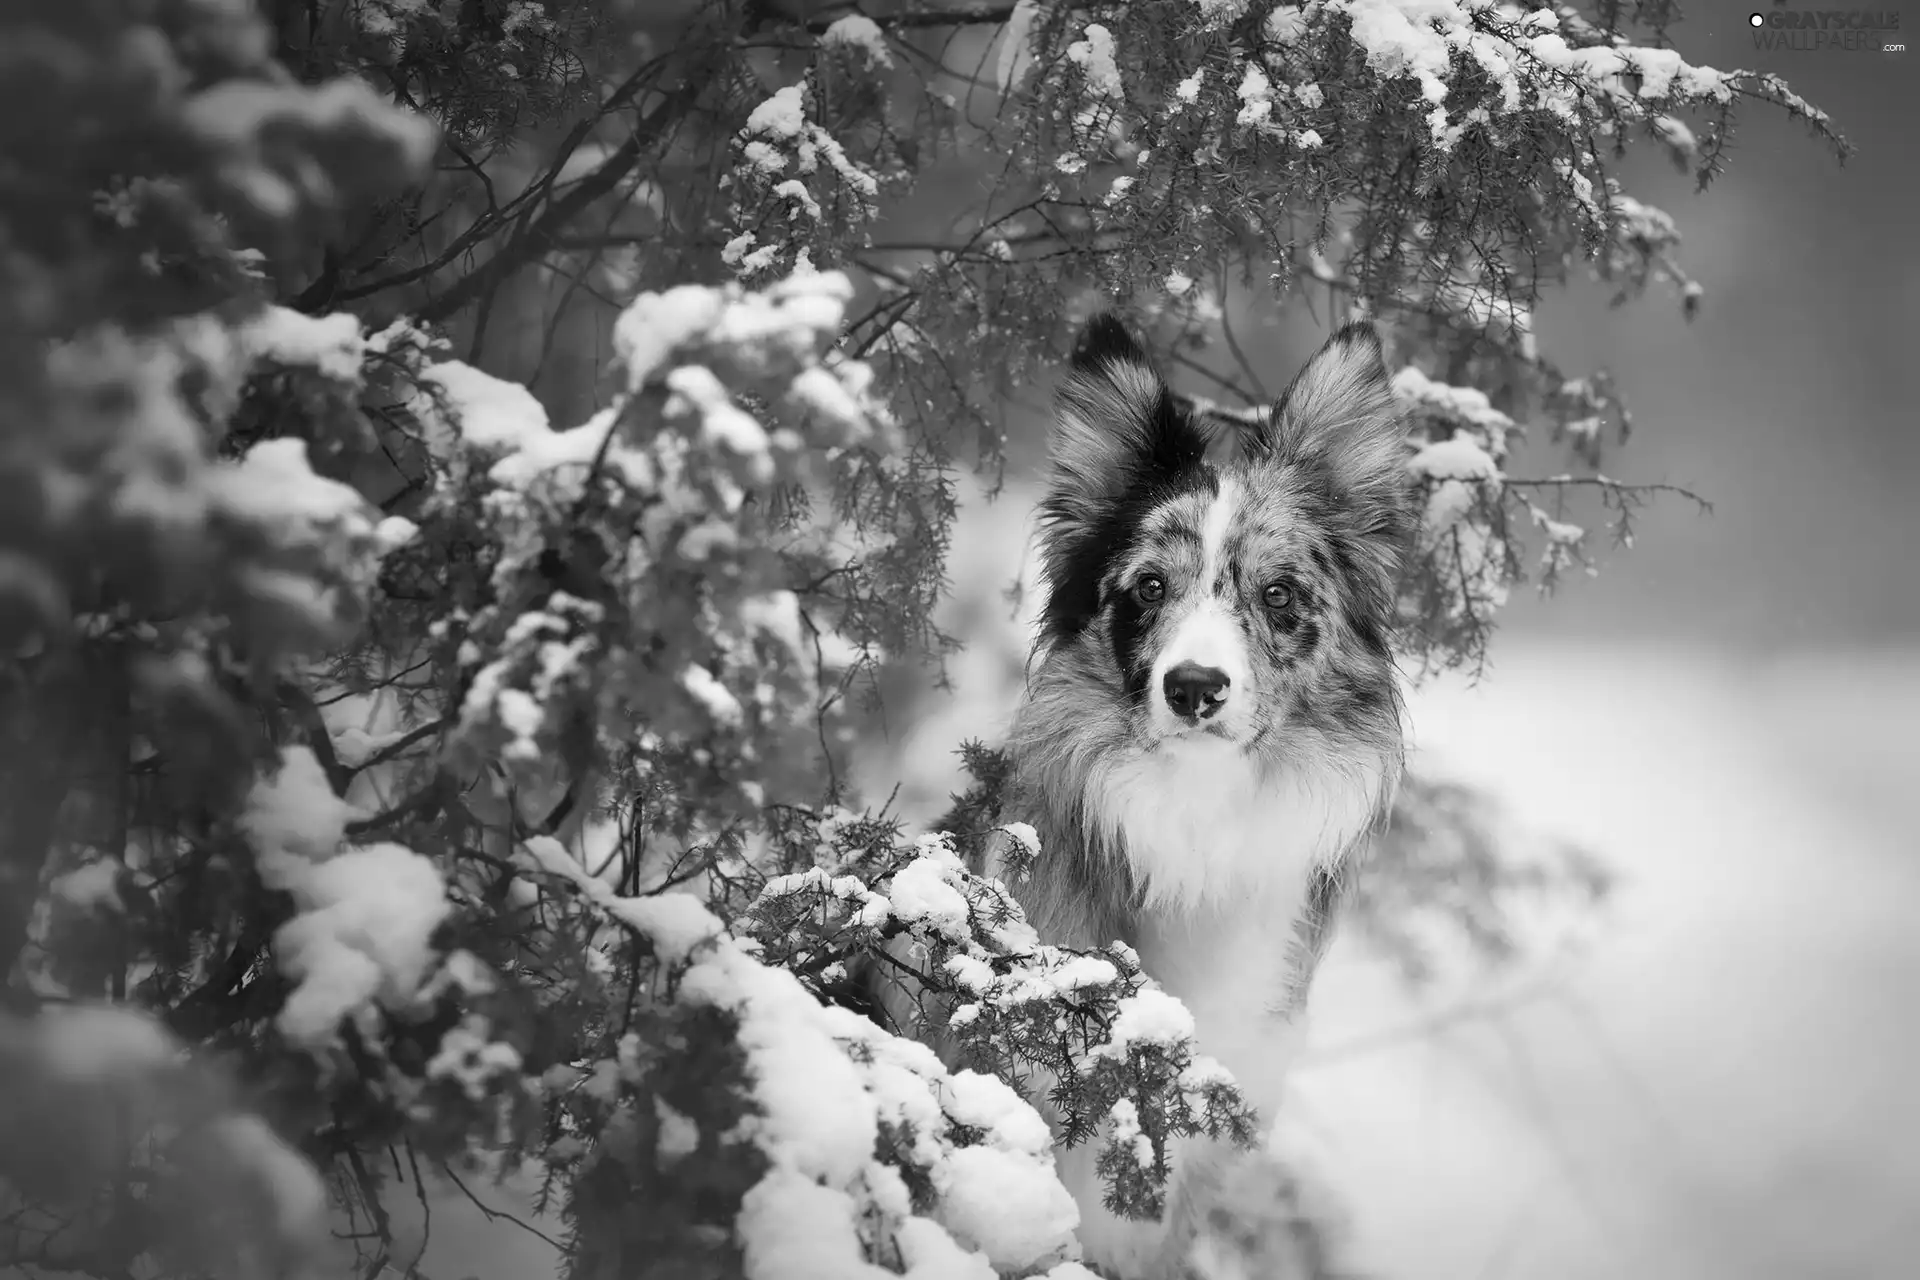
{"points": [[865, 1137]]}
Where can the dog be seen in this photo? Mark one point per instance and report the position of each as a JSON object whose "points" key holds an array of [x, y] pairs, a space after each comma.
{"points": [[1212, 729]]}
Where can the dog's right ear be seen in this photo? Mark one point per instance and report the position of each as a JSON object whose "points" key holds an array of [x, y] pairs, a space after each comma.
{"points": [[1116, 426], [1340, 419]]}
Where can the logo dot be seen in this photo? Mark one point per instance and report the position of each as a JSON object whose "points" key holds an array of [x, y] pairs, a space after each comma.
{"points": [[1756, 20]]}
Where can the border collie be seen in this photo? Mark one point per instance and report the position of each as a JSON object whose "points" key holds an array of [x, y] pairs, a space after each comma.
{"points": [[1212, 729]]}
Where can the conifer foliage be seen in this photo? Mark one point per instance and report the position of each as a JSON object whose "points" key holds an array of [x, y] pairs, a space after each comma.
{"points": [[465, 467]]}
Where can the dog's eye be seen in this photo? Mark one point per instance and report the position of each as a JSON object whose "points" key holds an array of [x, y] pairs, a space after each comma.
{"points": [[1277, 596], [1149, 589]]}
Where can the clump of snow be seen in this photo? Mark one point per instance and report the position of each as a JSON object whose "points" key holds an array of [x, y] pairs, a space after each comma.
{"points": [[365, 915], [332, 345], [1460, 406], [785, 324], [1559, 531], [272, 486], [1562, 549], [679, 1135], [1150, 1017], [814, 1114], [93, 886], [395, 532], [1447, 506], [295, 812], [1642, 223], [1407, 37], [1458, 467], [792, 1228], [654, 324], [1256, 97], [856, 179], [988, 1103], [1010, 1206], [711, 694], [861, 34], [931, 1254], [488, 412], [1024, 834], [1093, 54], [921, 895], [782, 116], [1458, 458], [471, 1058], [1677, 135], [766, 160], [795, 190], [826, 391], [574, 448], [696, 391], [676, 924]]}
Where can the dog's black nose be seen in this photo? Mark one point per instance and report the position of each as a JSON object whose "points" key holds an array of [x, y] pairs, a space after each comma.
{"points": [[1195, 692]]}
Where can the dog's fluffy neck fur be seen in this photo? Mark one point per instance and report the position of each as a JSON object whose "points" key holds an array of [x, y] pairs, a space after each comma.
{"points": [[1177, 830], [1172, 847]]}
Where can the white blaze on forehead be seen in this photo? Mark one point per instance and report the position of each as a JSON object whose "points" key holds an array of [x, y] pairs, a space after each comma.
{"points": [[1213, 532], [1208, 635]]}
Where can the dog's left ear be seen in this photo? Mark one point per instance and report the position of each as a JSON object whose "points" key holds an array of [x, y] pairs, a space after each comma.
{"points": [[1340, 418]]}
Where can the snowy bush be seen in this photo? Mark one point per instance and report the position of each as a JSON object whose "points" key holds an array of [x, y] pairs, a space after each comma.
{"points": [[468, 474]]}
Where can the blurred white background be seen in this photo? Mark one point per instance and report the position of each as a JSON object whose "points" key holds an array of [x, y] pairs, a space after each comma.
{"points": [[1721, 1083]]}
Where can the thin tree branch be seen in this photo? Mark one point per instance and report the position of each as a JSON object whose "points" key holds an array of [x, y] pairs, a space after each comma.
{"points": [[542, 236]]}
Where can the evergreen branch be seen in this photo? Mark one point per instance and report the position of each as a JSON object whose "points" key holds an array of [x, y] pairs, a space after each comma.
{"points": [[1611, 486], [410, 738], [423, 803], [317, 737]]}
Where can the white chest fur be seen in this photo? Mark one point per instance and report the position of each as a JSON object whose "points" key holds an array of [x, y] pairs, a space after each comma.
{"points": [[1226, 852], [1204, 825]]}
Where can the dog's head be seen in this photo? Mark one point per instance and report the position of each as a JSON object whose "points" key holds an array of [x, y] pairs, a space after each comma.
{"points": [[1229, 600]]}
